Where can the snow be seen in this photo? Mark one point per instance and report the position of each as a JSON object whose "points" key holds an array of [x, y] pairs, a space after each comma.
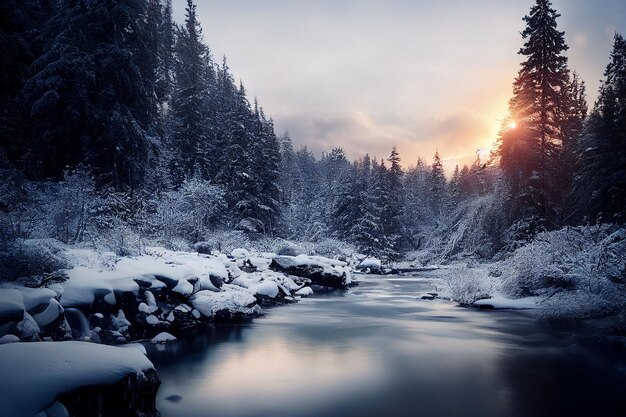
{"points": [[56, 410], [184, 287], [163, 337], [305, 291], [86, 283], [34, 297], [54, 368], [267, 288], [11, 302], [152, 320], [208, 302], [50, 314], [119, 322], [27, 327], [240, 253], [371, 263], [150, 298], [145, 308], [499, 301], [328, 265], [9, 338]]}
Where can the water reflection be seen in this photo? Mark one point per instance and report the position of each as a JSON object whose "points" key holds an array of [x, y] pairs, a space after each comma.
{"points": [[382, 351]]}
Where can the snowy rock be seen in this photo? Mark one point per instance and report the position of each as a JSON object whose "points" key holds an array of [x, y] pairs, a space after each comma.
{"points": [[9, 338], [228, 302], [321, 271], [119, 321], [56, 410], [34, 297], [429, 296], [148, 309], [372, 264], [28, 328], [184, 288], [50, 314], [264, 288], [11, 303], [67, 372], [240, 253], [152, 320], [163, 337], [305, 291], [150, 298]]}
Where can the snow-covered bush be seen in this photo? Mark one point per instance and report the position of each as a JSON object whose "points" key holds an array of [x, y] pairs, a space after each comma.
{"points": [[28, 257], [192, 212], [117, 236], [332, 248], [581, 270], [471, 228], [227, 240], [469, 285]]}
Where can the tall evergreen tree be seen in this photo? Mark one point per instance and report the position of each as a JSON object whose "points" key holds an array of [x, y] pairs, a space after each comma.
{"points": [[530, 153], [189, 138], [599, 189], [91, 98]]}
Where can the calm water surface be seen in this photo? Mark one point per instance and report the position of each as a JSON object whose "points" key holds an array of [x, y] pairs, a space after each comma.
{"points": [[379, 350]]}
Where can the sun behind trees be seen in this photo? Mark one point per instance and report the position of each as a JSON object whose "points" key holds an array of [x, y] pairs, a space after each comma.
{"points": [[114, 94], [546, 112]]}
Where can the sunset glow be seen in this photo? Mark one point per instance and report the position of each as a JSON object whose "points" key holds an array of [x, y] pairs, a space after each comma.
{"points": [[435, 80]]}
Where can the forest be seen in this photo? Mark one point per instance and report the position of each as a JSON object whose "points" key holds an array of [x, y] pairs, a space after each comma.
{"points": [[153, 220], [120, 130]]}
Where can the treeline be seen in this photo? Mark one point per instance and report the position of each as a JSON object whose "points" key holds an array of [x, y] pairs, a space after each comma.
{"points": [[117, 124], [118, 89], [563, 166], [554, 165]]}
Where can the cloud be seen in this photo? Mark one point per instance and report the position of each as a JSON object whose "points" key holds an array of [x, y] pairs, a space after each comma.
{"points": [[457, 136]]}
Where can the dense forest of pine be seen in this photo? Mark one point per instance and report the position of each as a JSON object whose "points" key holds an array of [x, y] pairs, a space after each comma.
{"points": [[116, 122]]}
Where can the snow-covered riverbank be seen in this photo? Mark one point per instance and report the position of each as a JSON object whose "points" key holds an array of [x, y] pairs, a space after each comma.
{"points": [[106, 299]]}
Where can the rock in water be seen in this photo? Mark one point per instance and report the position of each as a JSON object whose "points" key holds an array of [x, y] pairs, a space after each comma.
{"points": [[325, 273]]}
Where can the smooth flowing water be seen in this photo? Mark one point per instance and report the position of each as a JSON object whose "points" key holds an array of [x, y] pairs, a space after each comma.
{"points": [[380, 350]]}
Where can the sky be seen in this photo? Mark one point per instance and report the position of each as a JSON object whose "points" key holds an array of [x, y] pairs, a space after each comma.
{"points": [[365, 75]]}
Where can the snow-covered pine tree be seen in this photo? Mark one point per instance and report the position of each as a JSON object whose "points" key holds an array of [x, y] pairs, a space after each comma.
{"points": [[189, 140], [599, 185], [437, 186], [392, 227], [91, 98]]}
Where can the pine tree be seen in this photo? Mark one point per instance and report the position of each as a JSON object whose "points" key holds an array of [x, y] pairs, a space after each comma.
{"points": [[91, 98], [530, 153], [437, 185], [392, 226], [599, 188], [189, 138]]}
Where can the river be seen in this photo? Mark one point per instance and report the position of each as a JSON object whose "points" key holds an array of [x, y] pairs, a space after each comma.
{"points": [[380, 350]]}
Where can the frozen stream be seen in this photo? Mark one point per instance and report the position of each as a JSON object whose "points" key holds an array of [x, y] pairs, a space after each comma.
{"points": [[380, 350]]}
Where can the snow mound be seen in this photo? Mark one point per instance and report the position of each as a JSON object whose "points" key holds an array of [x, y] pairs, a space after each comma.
{"points": [[208, 303], [305, 291], [9, 338], [240, 253], [11, 302], [371, 263], [163, 337], [33, 374]]}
